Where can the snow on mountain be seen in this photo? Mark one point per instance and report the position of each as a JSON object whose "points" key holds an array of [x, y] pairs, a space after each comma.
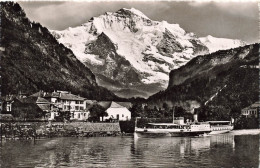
{"points": [[214, 44], [129, 42]]}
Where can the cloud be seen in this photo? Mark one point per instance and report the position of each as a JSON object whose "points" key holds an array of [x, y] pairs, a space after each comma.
{"points": [[230, 19]]}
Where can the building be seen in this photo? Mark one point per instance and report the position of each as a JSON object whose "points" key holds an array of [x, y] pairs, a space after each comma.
{"points": [[116, 110], [66, 102], [7, 102], [31, 108], [252, 110]]}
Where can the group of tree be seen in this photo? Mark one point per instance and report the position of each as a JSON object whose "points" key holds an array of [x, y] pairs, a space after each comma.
{"points": [[145, 111], [97, 111], [214, 113]]}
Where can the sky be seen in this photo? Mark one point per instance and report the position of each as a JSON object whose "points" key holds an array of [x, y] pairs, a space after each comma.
{"points": [[236, 20]]}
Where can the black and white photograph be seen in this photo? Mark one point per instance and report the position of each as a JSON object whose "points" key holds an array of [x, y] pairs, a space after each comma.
{"points": [[129, 83]]}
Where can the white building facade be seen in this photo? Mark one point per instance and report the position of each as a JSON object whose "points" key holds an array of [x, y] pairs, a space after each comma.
{"points": [[251, 111], [117, 112], [65, 101]]}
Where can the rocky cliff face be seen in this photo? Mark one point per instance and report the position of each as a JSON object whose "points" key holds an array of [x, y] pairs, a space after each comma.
{"points": [[221, 80], [33, 60], [142, 50], [204, 65]]}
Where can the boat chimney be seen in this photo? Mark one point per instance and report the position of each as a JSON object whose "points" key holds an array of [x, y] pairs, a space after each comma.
{"points": [[195, 117], [232, 120], [173, 115]]}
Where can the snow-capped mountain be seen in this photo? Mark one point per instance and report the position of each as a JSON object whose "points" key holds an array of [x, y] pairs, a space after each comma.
{"points": [[214, 44], [127, 50]]}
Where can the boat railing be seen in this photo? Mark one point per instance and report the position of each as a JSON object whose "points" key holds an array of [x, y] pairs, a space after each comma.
{"points": [[197, 123], [221, 125]]}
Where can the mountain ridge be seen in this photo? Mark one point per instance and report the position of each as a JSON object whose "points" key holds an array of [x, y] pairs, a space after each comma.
{"points": [[221, 81], [33, 60], [152, 48]]}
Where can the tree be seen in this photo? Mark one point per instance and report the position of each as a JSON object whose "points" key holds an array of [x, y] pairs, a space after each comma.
{"points": [[235, 112], [179, 111], [136, 110], [63, 116], [166, 109], [97, 111]]}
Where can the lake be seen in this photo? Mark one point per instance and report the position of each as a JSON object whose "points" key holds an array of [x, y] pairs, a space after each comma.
{"points": [[227, 150]]}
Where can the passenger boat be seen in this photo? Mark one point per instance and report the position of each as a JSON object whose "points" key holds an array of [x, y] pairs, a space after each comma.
{"points": [[177, 128], [220, 127], [170, 129]]}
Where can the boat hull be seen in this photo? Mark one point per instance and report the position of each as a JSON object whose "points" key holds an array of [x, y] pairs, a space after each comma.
{"points": [[221, 129], [219, 132], [169, 134]]}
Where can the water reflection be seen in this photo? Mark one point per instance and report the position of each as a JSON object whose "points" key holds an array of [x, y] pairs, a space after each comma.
{"points": [[221, 150], [184, 144]]}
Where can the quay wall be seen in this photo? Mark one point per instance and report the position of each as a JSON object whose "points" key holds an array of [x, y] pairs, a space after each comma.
{"points": [[91, 127], [22, 130]]}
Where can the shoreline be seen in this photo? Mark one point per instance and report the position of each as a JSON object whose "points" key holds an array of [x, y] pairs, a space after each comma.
{"points": [[37, 130]]}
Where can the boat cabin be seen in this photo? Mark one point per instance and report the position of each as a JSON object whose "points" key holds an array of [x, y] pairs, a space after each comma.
{"points": [[166, 126]]}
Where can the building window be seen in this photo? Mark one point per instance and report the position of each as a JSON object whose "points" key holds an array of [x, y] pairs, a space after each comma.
{"points": [[78, 115], [76, 107], [122, 115], [66, 107], [81, 108]]}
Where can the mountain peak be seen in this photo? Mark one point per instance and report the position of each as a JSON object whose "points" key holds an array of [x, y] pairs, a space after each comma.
{"points": [[128, 42], [132, 11], [214, 44]]}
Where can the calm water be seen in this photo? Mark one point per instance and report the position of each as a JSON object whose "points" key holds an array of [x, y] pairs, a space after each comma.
{"points": [[227, 150]]}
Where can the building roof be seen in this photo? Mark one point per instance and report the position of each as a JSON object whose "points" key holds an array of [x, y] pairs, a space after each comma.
{"points": [[252, 106], [115, 105], [125, 104], [37, 100], [64, 95], [69, 96], [112, 104], [105, 104], [90, 102], [44, 107], [8, 98], [37, 94], [255, 105]]}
